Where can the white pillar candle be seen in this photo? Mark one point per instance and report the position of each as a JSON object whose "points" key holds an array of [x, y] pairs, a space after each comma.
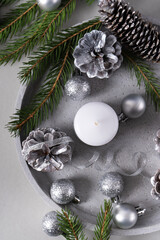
{"points": [[96, 123]]}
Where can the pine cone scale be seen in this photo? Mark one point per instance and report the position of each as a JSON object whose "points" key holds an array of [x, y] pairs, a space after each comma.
{"points": [[131, 29]]}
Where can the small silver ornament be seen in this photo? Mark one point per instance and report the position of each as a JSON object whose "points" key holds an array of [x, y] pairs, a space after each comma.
{"points": [[157, 141], [111, 184], [77, 88], [125, 216], [133, 106], [49, 5], [50, 224], [63, 191]]}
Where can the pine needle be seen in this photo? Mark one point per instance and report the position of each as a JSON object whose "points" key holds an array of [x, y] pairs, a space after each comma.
{"points": [[7, 2], [70, 225], [17, 19], [144, 72], [104, 218]]}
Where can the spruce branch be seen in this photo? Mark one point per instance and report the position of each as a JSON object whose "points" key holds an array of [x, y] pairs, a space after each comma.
{"points": [[104, 218], [43, 30], [45, 100], [52, 50], [144, 72], [90, 1], [18, 18], [7, 2], [70, 225]]}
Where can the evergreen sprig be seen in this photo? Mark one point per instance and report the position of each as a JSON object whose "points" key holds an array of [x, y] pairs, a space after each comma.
{"points": [[7, 2], [21, 16], [145, 73], [47, 98], [51, 91], [72, 227], [43, 30], [104, 218]]}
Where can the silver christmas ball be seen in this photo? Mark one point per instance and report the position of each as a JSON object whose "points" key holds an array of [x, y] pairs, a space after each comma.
{"points": [[133, 106], [77, 88], [62, 191], [49, 5], [125, 216], [111, 184], [50, 224]]}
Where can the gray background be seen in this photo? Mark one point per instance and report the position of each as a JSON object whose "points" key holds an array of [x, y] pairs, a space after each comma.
{"points": [[21, 208]]}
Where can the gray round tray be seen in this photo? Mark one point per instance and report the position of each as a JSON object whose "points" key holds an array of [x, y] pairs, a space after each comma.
{"points": [[133, 136]]}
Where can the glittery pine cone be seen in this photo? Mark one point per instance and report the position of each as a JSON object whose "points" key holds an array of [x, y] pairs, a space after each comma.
{"points": [[155, 181], [47, 149], [131, 29], [98, 54], [157, 141]]}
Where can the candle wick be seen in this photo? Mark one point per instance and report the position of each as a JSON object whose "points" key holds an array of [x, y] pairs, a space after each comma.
{"points": [[96, 123]]}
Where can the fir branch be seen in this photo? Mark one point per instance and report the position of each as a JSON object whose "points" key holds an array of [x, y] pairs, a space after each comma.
{"points": [[7, 2], [90, 1], [15, 50], [43, 30], [103, 227], [53, 49], [144, 72], [45, 100], [57, 18], [18, 18], [70, 225]]}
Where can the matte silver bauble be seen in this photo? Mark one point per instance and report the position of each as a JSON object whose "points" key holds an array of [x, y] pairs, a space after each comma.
{"points": [[111, 184], [77, 88], [62, 191], [50, 224], [133, 106], [49, 5], [125, 216]]}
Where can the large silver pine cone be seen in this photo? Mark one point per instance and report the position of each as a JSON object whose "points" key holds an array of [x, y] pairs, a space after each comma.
{"points": [[155, 181], [98, 54], [47, 149]]}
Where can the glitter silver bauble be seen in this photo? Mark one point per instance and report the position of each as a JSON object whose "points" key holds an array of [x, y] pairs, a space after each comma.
{"points": [[50, 224], [125, 216], [49, 5], [133, 106], [77, 88], [62, 191], [111, 184]]}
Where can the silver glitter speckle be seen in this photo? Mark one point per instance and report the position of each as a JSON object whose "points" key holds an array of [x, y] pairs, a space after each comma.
{"points": [[111, 184], [62, 191], [50, 224], [77, 88]]}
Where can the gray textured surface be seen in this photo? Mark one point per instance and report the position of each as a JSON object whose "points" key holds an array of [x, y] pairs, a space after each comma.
{"points": [[133, 136], [21, 207]]}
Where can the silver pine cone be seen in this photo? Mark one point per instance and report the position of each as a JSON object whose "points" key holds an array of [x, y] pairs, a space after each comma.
{"points": [[157, 141], [98, 54], [135, 33], [155, 181], [47, 149]]}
